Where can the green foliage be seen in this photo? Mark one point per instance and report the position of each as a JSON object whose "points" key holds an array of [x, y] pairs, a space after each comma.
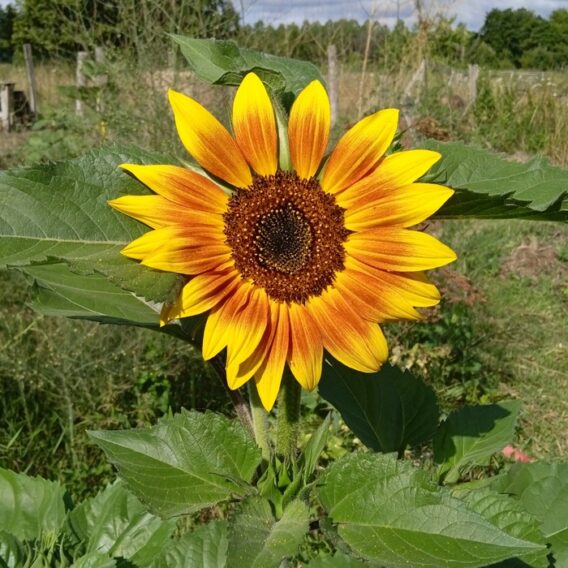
{"points": [[471, 435], [258, 540], [7, 17], [488, 186], [390, 512], [388, 410], [200, 459]]}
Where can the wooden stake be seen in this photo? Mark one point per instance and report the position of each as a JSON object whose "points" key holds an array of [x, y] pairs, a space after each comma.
{"points": [[34, 107], [80, 81], [7, 106], [332, 81]]}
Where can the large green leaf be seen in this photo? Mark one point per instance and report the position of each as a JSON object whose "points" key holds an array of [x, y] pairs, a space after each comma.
{"points": [[472, 434], [388, 410], [543, 491], [60, 212], [258, 540], [338, 560], [508, 514], [184, 463], [30, 506], [489, 186], [12, 551], [116, 523], [95, 560], [390, 512], [225, 63], [205, 547]]}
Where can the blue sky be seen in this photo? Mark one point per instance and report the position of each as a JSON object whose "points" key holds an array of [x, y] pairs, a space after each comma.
{"points": [[470, 12]]}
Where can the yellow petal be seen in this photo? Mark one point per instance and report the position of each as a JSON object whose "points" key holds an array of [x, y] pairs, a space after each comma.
{"points": [[306, 350], [248, 327], [189, 189], [357, 343], [404, 206], [308, 129], [359, 150], [254, 125], [202, 293], [400, 250], [208, 141], [218, 329], [269, 375], [397, 170], [156, 211]]}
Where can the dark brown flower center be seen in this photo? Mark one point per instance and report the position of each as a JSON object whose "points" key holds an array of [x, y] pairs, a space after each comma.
{"points": [[286, 235]]}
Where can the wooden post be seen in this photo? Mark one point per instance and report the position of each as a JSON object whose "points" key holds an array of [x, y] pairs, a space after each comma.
{"points": [[7, 106], [332, 81], [101, 80], [473, 73], [80, 81], [419, 76], [34, 107]]}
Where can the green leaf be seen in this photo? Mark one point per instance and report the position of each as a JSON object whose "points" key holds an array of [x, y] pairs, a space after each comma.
{"points": [[388, 410], [60, 212], [258, 540], [224, 63], [338, 560], [542, 489], [390, 512], [95, 560], [12, 552], [205, 547], [184, 463], [508, 514], [314, 448], [30, 506], [116, 523], [472, 434], [488, 186]]}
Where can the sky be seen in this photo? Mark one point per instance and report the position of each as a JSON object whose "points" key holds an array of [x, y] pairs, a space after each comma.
{"points": [[470, 12]]}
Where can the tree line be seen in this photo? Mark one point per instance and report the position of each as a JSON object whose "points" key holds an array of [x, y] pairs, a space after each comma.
{"points": [[58, 28]]}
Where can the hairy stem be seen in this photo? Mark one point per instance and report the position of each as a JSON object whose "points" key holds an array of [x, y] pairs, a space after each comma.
{"points": [[259, 420], [288, 418]]}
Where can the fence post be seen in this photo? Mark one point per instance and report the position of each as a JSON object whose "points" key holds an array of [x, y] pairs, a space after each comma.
{"points": [[7, 106], [80, 81], [34, 107], [332, 81], [473, 73], [101, 79]]}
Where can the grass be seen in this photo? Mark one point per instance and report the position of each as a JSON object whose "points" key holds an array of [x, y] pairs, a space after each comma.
{"points": [[499, 333]]}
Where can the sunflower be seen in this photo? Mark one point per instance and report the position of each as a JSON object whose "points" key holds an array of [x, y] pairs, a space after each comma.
{"points": [[289, 253]]}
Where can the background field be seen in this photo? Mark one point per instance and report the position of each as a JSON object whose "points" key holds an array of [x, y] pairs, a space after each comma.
{"points": [[500, 332]]}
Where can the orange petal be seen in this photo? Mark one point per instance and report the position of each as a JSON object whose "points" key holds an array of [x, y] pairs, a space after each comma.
{"points": [[269, 375], [353, 341], [306, 350], [308, 129], [359, 150], [217, 333], [182, 186], [401, 250], [404, 206], [254, 125], [208, 141], [202, 293]]}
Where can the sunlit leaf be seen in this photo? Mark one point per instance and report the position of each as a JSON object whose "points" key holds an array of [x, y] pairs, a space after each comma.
{"points": [[184, 463], [390, 512]]}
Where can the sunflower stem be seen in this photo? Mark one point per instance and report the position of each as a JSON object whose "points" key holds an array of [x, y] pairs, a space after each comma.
{"points": [[259, 420], [240, 404], [288, 418]]}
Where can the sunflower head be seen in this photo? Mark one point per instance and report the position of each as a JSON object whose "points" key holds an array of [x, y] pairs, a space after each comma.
{"points": [[288, 262]]}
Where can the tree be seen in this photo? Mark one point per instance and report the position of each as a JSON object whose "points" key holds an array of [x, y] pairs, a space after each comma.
{"points": [[7, 17]]}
